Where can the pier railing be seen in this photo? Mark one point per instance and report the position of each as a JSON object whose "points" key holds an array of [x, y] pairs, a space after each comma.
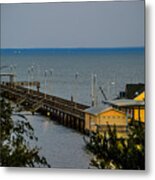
{"points": [[67, 112]]}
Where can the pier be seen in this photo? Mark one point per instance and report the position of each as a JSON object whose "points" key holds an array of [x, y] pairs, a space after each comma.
{"points": [[63, 111]]}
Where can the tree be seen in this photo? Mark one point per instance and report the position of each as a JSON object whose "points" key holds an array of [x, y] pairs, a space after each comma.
{"points": [[15, 150], [111, 152]]}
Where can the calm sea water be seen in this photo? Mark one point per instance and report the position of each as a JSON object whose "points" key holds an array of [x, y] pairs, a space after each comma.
{"points": [[62, 147], [114, 69]]}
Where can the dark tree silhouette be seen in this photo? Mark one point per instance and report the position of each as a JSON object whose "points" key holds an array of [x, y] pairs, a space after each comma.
{"points": [[15, 137], [111, 152]]}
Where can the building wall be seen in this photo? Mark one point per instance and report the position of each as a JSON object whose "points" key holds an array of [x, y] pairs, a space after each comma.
{"points": [[110, 117], [142, 114], [140, 97], [89, 121]]}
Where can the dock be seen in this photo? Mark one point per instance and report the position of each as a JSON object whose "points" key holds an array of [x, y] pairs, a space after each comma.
{"points": [[66, 112]]}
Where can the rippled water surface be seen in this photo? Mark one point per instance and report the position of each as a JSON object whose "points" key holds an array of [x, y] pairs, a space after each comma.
{"points": [[113, 69], [63, 147]]}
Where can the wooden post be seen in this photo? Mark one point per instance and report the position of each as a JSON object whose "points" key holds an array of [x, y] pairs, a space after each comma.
{"points": [[79, 124], [38, 87], [126, 119], [65, 115]]}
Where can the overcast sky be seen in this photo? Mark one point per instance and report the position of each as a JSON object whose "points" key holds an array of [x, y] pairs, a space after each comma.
{"points": [[86, 24]]}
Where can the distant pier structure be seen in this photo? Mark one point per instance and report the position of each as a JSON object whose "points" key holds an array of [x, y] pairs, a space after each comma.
{"points": [[66, 112], [11, 76], [130, 105]]}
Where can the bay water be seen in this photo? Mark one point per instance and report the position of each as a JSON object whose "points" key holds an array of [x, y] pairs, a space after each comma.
{"points": [[69, 73]]}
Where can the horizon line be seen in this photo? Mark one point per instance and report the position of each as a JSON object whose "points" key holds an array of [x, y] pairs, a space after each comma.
{"points": [[74, 48]]}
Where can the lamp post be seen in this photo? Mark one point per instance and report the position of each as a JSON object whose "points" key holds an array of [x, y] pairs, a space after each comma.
{"points": [[11, 68], [32, 74], [28, 79], [13, 72], [76, 86], [113, 88], [51, 73], [38, 73], [45, 83], [93, 90]]}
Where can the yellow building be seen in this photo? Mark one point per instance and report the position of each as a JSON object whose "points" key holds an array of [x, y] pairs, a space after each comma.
{"points": [[134, 109], [103, 115], [140, 97], [136, 92], [117, 112]]}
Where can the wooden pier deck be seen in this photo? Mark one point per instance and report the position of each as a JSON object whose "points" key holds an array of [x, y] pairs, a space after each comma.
{"points": [[66, 112]]}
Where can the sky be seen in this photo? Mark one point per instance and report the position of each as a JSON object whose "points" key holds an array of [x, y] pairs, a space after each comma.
{"points": [[73, 25]]}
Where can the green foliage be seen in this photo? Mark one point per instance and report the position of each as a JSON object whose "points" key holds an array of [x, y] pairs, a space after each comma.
{"points": [[111, 152], [15, 150]]}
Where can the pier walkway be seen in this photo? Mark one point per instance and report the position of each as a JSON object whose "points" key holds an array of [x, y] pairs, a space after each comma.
{"points": [[66, 112]]}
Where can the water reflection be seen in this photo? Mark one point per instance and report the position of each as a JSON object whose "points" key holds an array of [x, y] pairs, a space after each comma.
{"points": [[62, 147]]}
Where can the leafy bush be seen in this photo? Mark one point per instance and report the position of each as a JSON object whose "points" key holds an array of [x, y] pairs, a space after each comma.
{"points": [[15, 150], [111, 152]]}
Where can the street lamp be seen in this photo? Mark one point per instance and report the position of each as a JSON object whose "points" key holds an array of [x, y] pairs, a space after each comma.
{"points": [[94, 93], [51, 73], [11, 68], [32, 73], [37, 72], [112, 88], [45, 82], [76, 85], [15, 67], [29, 75], [13, 72]]}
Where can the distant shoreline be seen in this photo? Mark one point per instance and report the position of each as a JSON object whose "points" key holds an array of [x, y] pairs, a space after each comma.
{"points": [[70, 50]]}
